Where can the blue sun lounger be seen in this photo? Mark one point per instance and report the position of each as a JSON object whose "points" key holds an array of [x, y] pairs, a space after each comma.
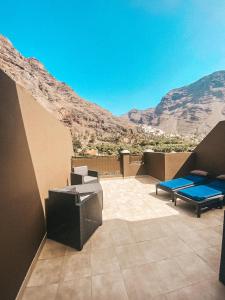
{"points": [[173, 185], [208, 195]]}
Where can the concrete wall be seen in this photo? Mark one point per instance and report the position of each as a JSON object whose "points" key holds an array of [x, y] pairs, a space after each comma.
{"points": [[178, 164], [23, 185], [155, 164], [135, 169], [164, 166], [159, 165], [121, 165], [105, 165], [132, 168], [49, 143], [210, 153]]}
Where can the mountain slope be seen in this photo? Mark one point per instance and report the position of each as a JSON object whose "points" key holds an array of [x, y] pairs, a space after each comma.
{"points": [[192, 109], [83, 117]]}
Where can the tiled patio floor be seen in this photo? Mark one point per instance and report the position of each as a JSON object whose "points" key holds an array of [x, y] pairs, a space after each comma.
{"points": [[145, 249]]}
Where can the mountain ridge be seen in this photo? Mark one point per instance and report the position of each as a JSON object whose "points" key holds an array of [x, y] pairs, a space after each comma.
{"points": [[193, 109], [83, 117], [182, 110]]}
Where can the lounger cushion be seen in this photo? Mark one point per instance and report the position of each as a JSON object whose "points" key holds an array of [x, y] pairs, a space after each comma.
{"points": [[202, 192], [182, 182]]}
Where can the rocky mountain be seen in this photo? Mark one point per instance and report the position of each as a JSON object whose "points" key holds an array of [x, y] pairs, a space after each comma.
{"points": [[139, 116], [83, 117], [190, 110]]}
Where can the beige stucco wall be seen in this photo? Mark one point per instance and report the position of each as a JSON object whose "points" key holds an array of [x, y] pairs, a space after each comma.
{"points": [[22, 224], [49, 142], [35, 155], [210, 153], [166, 166], [178, 164]]}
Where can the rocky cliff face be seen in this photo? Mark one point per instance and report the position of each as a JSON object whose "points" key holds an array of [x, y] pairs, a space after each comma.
{"points": [[139, 117], [189, 110], [81, 116], [192, 109]]}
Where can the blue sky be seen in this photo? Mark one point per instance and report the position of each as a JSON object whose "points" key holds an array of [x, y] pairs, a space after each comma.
{"points": [[120, 54]]}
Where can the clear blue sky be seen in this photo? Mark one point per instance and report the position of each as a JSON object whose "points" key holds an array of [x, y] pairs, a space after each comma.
{"points": [[121, 54]]}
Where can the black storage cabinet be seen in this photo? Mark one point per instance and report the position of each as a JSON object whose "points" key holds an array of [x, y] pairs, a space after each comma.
{"points": [[222, 261], [72, 218]]}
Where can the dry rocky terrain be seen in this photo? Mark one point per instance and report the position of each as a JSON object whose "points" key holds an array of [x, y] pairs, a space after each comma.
{"points": [[192, 109], [83, 117]]}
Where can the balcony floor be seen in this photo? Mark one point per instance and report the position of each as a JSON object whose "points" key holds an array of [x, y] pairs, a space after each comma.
{"points": [[145, 249]]}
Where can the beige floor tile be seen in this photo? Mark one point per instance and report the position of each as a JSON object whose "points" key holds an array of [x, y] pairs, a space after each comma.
{"points": [[142, 282], [130, 255], [218, 229], [77, 265], [46, 271], [113, 224], [184, 209], [108, 286], [86, 249], [79, 289], [193, 223], [178, 225], [40, 292], [159, 249], [212, 237], [52, 249], [149, 230], [209, 219], [122, 235], [219, 213], [154, 250], [151, 280], [109, 213], [170, 275], [205, 290], [194, 268], [215, 288], [195, 240], [175, 246], [159, 297], [211, 256], [101, 239], [104, 261], [133, 214]]}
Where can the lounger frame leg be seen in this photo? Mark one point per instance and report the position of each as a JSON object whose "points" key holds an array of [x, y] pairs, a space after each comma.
{"points": [[175, 200], [172, 196], [198, 211]]}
